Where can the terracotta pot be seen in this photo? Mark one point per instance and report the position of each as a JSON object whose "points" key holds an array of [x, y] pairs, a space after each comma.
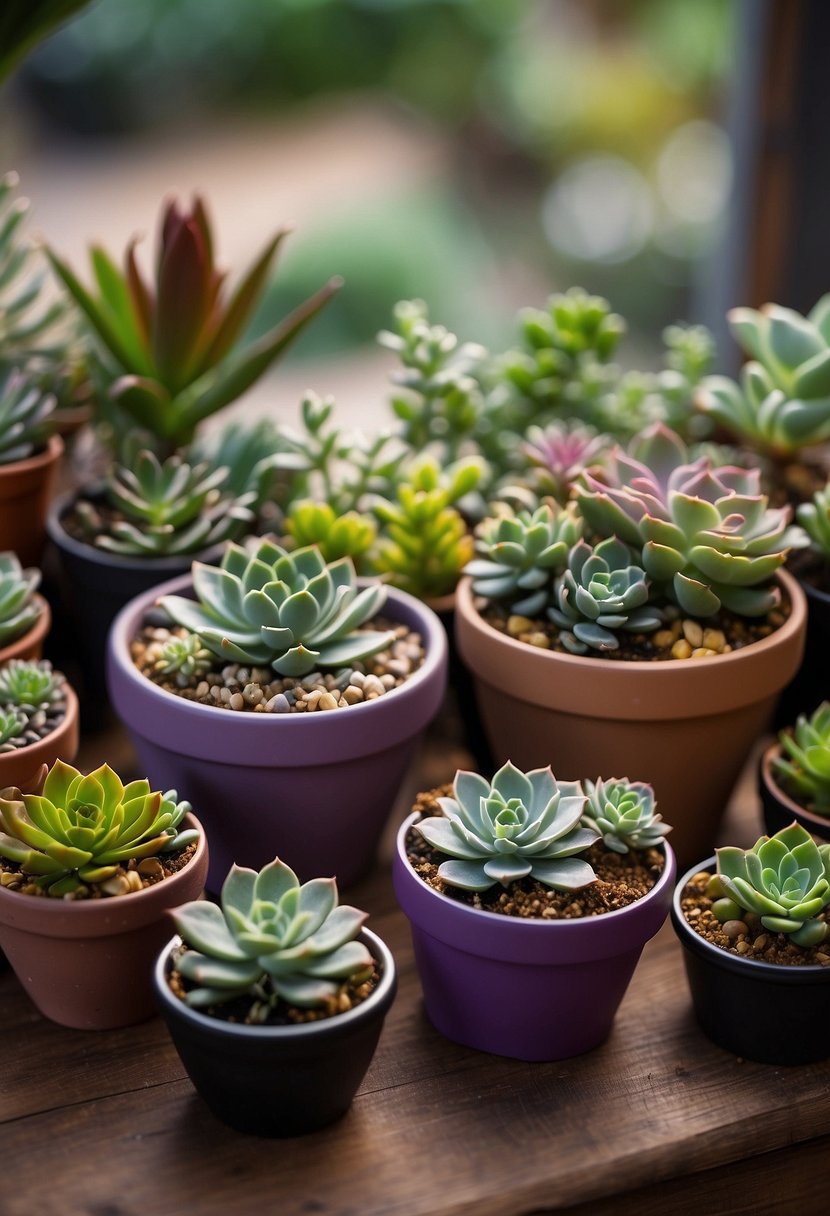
{"points": [[30, 644], [769, 1012], [779, 807], [88, 964], [314, 789], [22, 766], [684, 726], [525, 988], [278, 1080], [25, 489]]}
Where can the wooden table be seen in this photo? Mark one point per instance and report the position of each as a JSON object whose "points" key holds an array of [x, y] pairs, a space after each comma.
{"points": [[656, 1120]]}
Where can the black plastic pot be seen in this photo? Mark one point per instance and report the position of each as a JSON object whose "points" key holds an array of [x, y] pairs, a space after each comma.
{"points": [[768, 1012], [779, 808], [278, 1080], [809, 686]]}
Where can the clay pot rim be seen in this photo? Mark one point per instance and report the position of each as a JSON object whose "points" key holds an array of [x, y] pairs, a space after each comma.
{"points": [[67, 725], [31, 641], [530, 924], [378, 1001], [800, 812], [793, 623], [779, 973], [47, 455]]}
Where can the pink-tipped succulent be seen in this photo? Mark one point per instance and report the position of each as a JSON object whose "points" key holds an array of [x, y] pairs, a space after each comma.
{"points": [[562, 451]]}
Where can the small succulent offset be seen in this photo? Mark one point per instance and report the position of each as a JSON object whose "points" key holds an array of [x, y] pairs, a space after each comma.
{"points": [[521, 825], [272, 939], [25, 417], [804, 765], [30, 685], [184, 656], [600, 592], [521, 553], [79, 829], [784, 879], [18, 607], [165, 508], [624, 814], [13, 723], [289, 610]]}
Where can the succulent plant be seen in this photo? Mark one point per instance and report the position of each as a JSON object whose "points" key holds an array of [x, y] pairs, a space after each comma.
{"points": [[804, 766], [289, 610], [27, 320], [25, 418], [784, 879], [184, 656], [173, 345], [18, 607], [272, 939], [521, 825], [814, 518], [706, 534], [521, 553], [13, 723], [624, 814], [783, 402], [560, 452], [30, 685], [79, 829], [601, 591], [351, 534], [165, 508]]}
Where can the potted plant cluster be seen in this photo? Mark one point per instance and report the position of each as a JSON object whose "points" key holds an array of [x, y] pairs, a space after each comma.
{"points": [[275, 1001], [753, 926], [38, 721], [794, 775], [88, 867], [530, 901], [283, 697]]}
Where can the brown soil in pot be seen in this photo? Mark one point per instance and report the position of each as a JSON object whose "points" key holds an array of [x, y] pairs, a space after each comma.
{"points": [[622, 878], [147, 872], [747, 938]]}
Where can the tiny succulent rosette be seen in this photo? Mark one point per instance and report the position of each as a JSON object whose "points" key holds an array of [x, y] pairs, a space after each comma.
{"points": [[803, 767], [80, 829], [624, 813], [31, 685], [601, 592], [521, 553], [272, 939], [19, 610], [784, 879], [520, 825], [289, 610]]}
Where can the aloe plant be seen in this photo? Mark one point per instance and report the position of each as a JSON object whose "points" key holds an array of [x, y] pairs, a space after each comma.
{"points": [[520, 825], [289, 610], [803, 768], [81, 828], [173, 344], [272, 939], [19, 610]]}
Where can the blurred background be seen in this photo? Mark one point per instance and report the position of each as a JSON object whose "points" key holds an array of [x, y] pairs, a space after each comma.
{"points": [[478, 154]]}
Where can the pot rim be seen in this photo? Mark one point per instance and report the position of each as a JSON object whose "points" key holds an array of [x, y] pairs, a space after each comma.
{"points": [[774, 972], [34, 637], [822, 822], [48, 454], [529, 924], [382, 996], [65, 728]]}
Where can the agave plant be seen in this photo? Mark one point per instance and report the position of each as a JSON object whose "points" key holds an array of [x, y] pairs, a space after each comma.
{"points": [[783, 402], [80, 829], [289, 610], [600, 592], [30, 685], [784, 879], [165, 508], [18, 607], [623, 812], [521, 825], [814, 518], [804, 766], [521, 553], [272, 939], [25, 417], [706, 534], [173, 344]]}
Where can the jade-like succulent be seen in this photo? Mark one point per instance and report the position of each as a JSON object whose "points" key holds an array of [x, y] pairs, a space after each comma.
{"points": [[13, 723], [336, 535], [783, 403], [624, 814], [521, 825], [25, 414], [289, 610], [30, 685], [185, 657], [173, 344], [165, 508], [814, 518], [521, 553], [804, 766], [79, 829], [706, 533], [601, 591], [18, 607], [784, 879], [272, 938]]}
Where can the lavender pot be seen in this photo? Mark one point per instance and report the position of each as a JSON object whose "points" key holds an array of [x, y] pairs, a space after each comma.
{"points": [[529, 989], [314, 789]]}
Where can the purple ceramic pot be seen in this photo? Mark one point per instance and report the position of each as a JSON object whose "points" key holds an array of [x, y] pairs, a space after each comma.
{"points": [[313, 789], [530, 989]]}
